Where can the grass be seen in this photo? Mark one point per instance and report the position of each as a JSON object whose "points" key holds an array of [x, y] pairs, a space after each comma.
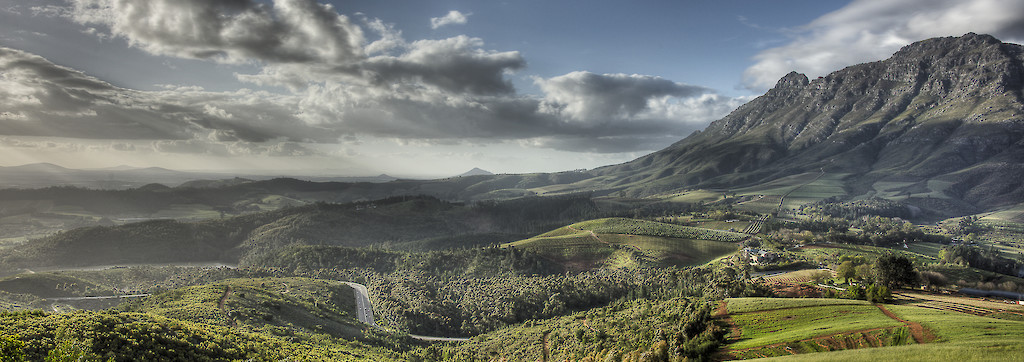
{"points": [[746, 305], [959, 336], [695, 196], [766, 327], [926, 249]]}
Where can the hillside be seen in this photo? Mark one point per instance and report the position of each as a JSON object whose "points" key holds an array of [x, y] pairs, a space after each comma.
{"points": [[940, 123], [620, 243], [420, 221]]}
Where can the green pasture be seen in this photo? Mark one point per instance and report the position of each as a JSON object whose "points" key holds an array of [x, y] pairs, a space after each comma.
{"points": [[961, 337], [746, 305], [927, 249], [766, 327]]}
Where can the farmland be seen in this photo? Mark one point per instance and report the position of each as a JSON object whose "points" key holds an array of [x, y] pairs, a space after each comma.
{"points": [[920, 325]]}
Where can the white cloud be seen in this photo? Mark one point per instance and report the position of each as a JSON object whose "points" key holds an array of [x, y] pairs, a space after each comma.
{"points": [[341, 85], [869, 30], [289, 31], [453, 17]]}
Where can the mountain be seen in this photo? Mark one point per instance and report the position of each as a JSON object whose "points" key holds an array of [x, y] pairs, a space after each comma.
{"points": [[476, 171], [941, 121]]}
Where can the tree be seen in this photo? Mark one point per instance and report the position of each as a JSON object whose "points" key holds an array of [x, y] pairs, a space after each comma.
{"points": [[894, 271], [877, 293], [847, 270], [11, 348], [864, 272]]}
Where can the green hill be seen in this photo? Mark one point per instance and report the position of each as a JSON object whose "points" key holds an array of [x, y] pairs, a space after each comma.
{"points": [[620, 242]]}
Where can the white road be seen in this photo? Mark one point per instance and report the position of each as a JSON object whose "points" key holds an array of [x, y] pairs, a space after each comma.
{"points": [[364, 311]]}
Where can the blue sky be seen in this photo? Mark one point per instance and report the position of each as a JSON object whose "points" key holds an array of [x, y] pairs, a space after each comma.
{"points": [[418, 88]]}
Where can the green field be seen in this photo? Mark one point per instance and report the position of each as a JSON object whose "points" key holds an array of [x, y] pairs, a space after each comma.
{"points": [[746, 305], [926, 249], [789, 323], [780, 327]]}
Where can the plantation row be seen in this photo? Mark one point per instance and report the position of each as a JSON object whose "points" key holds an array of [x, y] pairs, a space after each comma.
{"points": [[651, 228]]}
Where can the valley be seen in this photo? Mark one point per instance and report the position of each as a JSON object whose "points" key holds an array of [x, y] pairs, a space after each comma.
{"points": [[873, 213]]}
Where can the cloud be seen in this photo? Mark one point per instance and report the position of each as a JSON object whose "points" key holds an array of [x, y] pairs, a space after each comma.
{"points": [[453, 17], [869, 30], [589, 97], [344, 80], [454, 64], [230, 31], [41, 99]]}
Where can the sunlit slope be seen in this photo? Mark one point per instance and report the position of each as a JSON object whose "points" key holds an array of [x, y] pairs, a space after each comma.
{"points": [[620, 242]]}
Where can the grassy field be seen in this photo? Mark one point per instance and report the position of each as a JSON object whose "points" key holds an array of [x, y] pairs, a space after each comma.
{"points": [[695, 196], [746, 305], [926, 249], [796, 328], [768, 327]]}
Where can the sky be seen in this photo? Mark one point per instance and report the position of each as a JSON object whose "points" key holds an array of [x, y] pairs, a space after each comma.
{"points": [[419, 88]]}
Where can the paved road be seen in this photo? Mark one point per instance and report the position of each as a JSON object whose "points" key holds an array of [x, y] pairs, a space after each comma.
{"points": [[364, 311]]}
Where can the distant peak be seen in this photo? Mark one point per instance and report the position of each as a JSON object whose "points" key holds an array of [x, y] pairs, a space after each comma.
{"points": [[793, 79], [476, 171]]}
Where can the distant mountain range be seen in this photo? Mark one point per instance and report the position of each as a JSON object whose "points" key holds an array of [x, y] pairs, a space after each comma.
{"points": [[124, 177]]}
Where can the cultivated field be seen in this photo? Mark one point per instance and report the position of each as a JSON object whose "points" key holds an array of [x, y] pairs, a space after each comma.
{"points": [[919, 327]]}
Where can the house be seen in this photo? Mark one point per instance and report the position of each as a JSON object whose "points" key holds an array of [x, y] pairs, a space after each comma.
{"points": [[760, 256]]}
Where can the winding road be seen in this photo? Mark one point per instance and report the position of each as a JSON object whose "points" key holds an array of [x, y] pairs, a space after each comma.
{"points": [[364, 312]]}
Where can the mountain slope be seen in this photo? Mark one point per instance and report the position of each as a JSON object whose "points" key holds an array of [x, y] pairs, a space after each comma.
{"points": [[943, 116]]}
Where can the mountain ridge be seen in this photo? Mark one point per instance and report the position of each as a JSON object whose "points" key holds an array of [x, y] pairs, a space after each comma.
{"points": [[942, 110]]}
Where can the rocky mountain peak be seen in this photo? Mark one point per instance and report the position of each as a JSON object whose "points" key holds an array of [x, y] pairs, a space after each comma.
{"points": [[943, 115], [792, 80]]}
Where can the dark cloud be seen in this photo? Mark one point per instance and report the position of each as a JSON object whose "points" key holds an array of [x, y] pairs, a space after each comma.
{"points": [[455, 64], [585, 96]]}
